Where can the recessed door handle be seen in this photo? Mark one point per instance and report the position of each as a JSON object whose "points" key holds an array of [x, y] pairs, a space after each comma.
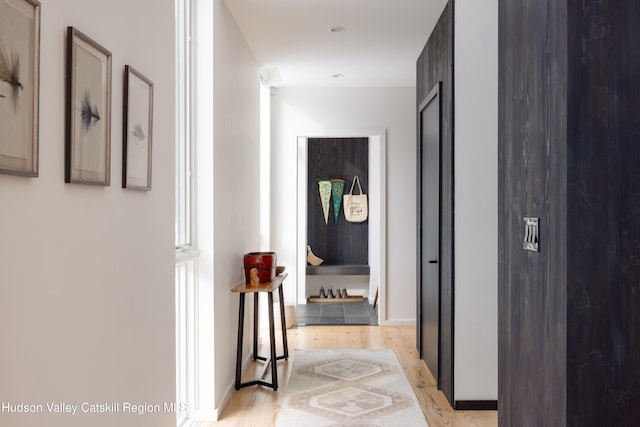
{"points": [[433, 261]]}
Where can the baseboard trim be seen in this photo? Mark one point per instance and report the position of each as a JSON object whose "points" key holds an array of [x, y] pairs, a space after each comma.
{"points": [[397, 322], [476, 405], [226, 395]]}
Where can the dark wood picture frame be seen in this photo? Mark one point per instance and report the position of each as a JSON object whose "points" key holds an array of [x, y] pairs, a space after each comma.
{"points": [[137, 130], [88, 111], [19, 87]]}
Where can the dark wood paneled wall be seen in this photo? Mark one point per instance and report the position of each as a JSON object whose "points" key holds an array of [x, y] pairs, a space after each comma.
{"points": [[328, 158], [531, 177], [569, 135], [603, 216], [436, 64]]}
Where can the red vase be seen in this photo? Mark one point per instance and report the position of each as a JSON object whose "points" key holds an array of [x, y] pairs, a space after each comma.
{"points": [[265, 262]]}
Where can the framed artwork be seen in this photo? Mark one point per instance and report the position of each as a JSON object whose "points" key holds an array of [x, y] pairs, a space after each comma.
{"points": [[19, 86], [88, 124], [137, 130]]}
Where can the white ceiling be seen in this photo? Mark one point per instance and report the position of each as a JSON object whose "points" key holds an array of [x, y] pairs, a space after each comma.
{"points": [[380, 46]]}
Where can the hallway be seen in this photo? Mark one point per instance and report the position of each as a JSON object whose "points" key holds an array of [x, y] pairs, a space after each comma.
{"points": [[258, 406]]}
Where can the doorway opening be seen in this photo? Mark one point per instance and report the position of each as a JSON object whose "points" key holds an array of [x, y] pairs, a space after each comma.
{"points": [[366, 284], [338, 247]]}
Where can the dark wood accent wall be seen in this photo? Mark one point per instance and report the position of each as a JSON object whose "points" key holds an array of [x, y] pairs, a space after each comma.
{"points": [[531, 177], [328, 158], [436, 64], [603, 216], [569, 146]]}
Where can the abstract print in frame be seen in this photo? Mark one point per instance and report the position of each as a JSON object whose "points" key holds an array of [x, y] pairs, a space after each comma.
{"points": [[88, 124], [137, 130], [19, 86]]}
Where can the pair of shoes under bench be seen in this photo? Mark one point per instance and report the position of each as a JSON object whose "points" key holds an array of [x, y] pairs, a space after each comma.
{"points": [[330, 294]]}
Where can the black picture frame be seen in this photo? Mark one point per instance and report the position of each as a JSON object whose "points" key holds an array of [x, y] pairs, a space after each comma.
{"points": [[137, 134]]}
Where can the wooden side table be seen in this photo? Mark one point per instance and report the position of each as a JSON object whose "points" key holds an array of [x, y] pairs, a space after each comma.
{"points": [[268, 287]]}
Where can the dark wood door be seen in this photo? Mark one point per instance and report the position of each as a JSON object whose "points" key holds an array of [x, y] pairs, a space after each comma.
{"points": [[429, 225]]}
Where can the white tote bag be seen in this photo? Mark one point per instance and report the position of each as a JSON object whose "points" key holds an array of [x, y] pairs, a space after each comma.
{"points": [[355, 205]]}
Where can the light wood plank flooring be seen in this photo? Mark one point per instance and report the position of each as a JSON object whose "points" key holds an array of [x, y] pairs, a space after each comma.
{"points": [[258, 406]]}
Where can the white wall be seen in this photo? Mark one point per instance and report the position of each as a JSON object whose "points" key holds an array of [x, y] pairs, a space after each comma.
{"points": [[86, 272], [236, 188], [476, 200], [314, 111]]}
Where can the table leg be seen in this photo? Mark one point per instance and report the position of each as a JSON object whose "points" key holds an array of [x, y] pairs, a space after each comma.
{"points": [[255, 326], [283, 323], [272, 340], [239, 349]]}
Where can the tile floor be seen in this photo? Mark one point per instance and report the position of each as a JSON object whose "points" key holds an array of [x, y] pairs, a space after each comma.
{"points": [[337, 313]]}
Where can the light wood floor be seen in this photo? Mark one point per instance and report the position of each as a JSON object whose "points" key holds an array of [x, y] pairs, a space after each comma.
{"points": [[258, 406]]}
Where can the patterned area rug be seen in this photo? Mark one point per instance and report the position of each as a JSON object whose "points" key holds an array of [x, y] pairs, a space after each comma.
{"points": [[348, 388]]}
